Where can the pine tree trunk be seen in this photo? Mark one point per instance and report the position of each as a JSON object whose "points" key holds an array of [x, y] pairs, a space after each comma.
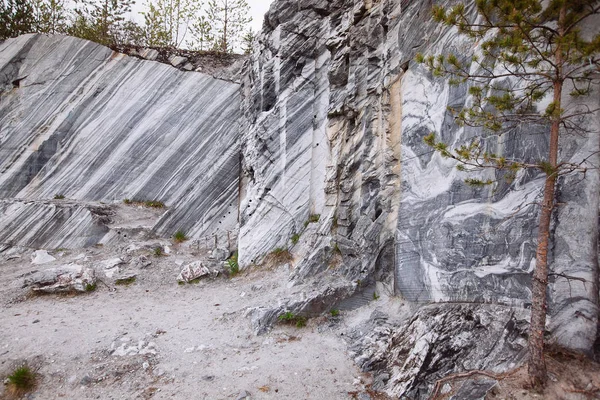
{"points": [[537, 363]]}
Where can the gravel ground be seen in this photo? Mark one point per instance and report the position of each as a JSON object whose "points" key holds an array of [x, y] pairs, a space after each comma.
{"points": [[155, 338]]}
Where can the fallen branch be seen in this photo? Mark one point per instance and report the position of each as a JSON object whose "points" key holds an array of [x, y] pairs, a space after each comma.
{"points": [[440, 382]]}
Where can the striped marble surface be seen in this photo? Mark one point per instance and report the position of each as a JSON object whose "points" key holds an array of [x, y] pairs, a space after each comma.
{"points": [[90, 124]]}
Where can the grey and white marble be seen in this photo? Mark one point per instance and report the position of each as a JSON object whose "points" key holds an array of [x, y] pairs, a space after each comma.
{"points": [[329, 120], [82, 121], [335, 112]]}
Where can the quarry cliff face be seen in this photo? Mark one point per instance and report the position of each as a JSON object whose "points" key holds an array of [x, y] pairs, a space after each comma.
{"points": [[335, 112], [81, 121], [318, 150]]}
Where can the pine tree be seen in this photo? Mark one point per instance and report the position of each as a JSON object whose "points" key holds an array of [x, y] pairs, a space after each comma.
{"points": [[101, 21], [532, 51], [50, 16], [201, 31], [155, 32], [167, 22], [229, 19], [16, 18], [248, 39]]}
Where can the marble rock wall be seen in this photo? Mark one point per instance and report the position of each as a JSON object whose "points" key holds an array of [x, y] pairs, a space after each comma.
{"points": [[334, 115], [321, 137], [461, 244], [50, 224], [82, 121]]}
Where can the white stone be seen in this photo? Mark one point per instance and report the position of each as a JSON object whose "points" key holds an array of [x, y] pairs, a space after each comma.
{"points": [[41, 257]]}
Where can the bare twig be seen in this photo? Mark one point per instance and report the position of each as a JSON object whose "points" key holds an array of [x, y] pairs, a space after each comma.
{"points": [[440, 382]]}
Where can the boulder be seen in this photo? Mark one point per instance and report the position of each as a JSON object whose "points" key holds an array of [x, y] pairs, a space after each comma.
{"points": [[220, 254], [177, 61], [41, 257], [66, 278], [193, 271]]}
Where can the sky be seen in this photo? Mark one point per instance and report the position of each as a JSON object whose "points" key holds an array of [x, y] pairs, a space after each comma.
{"points": [[258, 10]]}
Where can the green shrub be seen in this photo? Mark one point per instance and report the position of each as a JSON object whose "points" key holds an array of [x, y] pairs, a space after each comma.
{"points": [[127, 201], [375, 296], [334, 312], [312, 219], [154, 204], [290, 318], [158, 251], [90, 287], [232, 264], [125, 281], [295, 238], [180, 236], [22, 379], [58, 197]]}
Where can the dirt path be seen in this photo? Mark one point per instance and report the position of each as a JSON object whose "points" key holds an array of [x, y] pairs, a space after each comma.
{"points": [[158, 339]]}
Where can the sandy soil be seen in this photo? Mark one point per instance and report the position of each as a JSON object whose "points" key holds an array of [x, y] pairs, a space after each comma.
{"points": [[158, 339]]}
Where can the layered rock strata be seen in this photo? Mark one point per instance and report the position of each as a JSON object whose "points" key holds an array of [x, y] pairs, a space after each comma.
{"points": [[81, 121], [335, 113]]}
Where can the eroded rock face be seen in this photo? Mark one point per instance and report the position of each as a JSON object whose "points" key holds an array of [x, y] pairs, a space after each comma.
{"points": [[439, 340], [87, 123], [318, 138], [335, 112], [52, 224]]}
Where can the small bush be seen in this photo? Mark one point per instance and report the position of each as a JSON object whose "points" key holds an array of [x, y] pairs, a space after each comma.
{"points": [[58, 197], [312, 219], [22, 379], [179, 236], [375, 296], [232, 264], [295, 238], [154, 204], [125, 281], [158, 251], [334, 312], [290, 318], [90, 287], [145, 203]]}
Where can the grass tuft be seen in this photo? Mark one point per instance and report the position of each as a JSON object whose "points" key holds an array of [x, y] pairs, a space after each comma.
{"points": [[90, 287], [125, 281], [295, 238], [154, 204], [334, 312], [158, 251], [22, 379], [312, 219], [293, 319], [278, 256], [232, 264], [58, 197], [180, 236], [145, 203]]}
